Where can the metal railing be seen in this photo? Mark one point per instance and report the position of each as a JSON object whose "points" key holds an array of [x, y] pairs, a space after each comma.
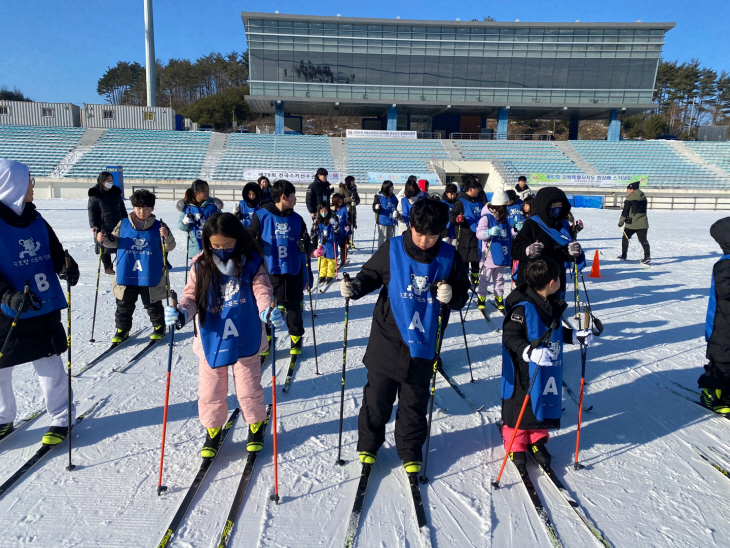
{"points": [[501, 137]]}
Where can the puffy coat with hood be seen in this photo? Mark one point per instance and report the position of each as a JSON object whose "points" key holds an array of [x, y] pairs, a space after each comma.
{"points": [[106, 208], [256, 202], [317, 193], [718, 346], [634, 211], [531, 232], [40, 336], [193, 248], [467, 243], [351, 199]]}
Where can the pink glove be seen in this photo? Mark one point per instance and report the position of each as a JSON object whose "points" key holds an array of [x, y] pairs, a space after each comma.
{"points": [[319, 251], [347, 229]]}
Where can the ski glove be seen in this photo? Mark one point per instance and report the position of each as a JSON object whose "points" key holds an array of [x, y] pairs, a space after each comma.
{"points": [[175, 317], [319, 251], [579, 226], [459, 218], [574, 249], [21, 302], [346, 288], [541, 356], [518, 226], [188, 219], [376, 207], [398, 217], [534, 250], [277, 319], [495, 231], [586, 335], [444, 293], [71, 273]]}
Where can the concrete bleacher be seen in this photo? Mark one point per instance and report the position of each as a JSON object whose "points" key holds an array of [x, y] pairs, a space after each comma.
{"points": [[717, 154], [520, 157], [41, 147], [281, 152], [146, 154], [387, 155]]}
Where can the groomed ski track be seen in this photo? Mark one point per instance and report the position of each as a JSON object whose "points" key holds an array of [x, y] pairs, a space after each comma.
{"points": [[644, 484]]}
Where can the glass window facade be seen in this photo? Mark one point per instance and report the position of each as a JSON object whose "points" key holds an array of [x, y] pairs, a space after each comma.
{"points": [[452, 63]]}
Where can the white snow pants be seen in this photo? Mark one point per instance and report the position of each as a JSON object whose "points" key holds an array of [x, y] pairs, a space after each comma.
{"points": [[53, 379]]}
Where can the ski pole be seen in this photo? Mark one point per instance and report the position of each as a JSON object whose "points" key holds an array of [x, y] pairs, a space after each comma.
{"points": [[96, 296], [337, 268], [546, 337], [15, 320], [314, 332], [70, 466], [275, 496], [583, 352], [187, 258], [577, 293], [466, 346], [597, 326], [162, 488], [375, 231], [442, 307], [341, 462]]}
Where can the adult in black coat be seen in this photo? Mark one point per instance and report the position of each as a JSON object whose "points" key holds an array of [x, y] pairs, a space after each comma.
{"points": [[319, 191], [532, 241], [391, 369], [106, 209], [467, 243]]}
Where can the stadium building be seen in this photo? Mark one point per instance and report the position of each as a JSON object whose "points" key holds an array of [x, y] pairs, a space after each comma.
{"points": [[450, 76]]}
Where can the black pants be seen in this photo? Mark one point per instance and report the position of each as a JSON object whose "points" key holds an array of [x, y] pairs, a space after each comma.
{"points": [[293, 319], [342, 253], [716, 376], [641, 234], [125, 307], [411, 424]]}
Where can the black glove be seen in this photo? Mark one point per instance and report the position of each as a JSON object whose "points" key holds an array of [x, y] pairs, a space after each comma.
{"points": [[20, 301], [71, 273], [304, 246]]}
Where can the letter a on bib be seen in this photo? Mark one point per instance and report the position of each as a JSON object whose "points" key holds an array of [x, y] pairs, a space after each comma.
{"points": [[416, 323], [229, 329]]}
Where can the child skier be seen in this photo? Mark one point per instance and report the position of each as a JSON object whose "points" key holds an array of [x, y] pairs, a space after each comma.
{"points": [[340, 211], [402, 344], [327, 229], [385, 205], [465, 217], [533, 308], [282, 235], [514, 208], [449, 198], [195, 209], [245, 209], [410, 195], [496, 235], [229, 290], [140, 269], [32, 255], [715, 381]]}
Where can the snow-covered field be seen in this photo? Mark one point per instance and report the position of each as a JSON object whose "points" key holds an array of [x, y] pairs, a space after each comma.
{"points": [[643, 485]]}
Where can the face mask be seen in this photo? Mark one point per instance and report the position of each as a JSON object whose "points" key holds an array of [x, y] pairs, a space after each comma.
{"points": [[108, 185], [555, 211], [323, 215], [224, 254]]}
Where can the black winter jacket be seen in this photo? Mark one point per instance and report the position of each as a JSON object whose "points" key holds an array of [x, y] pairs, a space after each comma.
{"points": [[106, 208], [531, 233], [40, 336], [514, 338], [467, 243], [317, 193], [718, 347], [387, 353]]}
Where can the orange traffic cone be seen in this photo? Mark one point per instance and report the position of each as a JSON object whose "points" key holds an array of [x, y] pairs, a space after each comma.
{"points": [[595, 267]]}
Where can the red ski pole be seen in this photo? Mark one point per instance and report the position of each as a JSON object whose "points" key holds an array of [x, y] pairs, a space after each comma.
{"points": [[586, 321], [275, 496], [162, 488]]}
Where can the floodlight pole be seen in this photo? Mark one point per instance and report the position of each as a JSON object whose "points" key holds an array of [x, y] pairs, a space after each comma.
{"points": [[149, 35]]}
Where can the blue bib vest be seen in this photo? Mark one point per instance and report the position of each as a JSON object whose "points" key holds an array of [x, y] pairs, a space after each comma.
{"points": [[514, 214], [500, 247], [546, 395], [327, 239], [342, 219], [247, 213], [414, 307], [205, 212], [406, 206], [388, 205], [279, 236], [139, 256], [712, 304], [232, 327], [450, 229], [26, 254], [472, 213]]}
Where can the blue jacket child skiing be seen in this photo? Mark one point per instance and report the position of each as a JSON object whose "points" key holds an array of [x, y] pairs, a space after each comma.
{"points": [[532, 309], [140, 265], [343, 219], [229, 291], [33, 256], [327, 229], [195, 209], [250, 204], [416, 273]]}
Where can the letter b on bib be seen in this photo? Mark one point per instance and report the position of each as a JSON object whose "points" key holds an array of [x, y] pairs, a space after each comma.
{"points": [[283, 254], [41, 282]]}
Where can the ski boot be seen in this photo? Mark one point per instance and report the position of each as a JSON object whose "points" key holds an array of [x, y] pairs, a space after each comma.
{"points": [[55, 435], [412, 467], [157, 333], [715, 401], [267, 351], [120, 337], [540, 453], [256, 432], [520, 460], [6, 429], [474, 279], [109, 271], [621, 257], [367, 458], [646, 260], [481, 303], [499, 301], [212, 443], [296, 345]]}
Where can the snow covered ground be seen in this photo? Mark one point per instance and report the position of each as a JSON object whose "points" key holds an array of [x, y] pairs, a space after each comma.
{"points": [[643, 485]]}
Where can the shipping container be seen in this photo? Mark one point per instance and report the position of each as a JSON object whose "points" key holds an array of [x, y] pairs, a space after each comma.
{"points": [[26, 113], [128, 117]]}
